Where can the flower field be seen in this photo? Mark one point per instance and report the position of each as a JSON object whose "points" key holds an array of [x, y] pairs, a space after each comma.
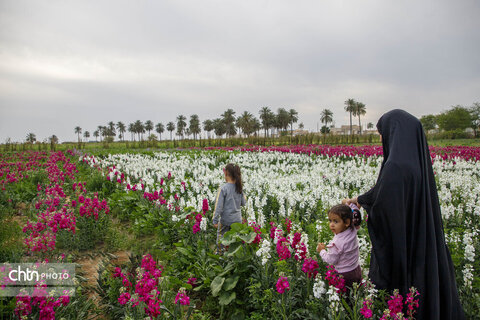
{"points": [[159, 207]]}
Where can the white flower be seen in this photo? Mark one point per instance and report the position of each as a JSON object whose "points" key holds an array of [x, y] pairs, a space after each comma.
{"points": [[264, 251], [468, 276], [318, 287], [333, 298], [203, 224]]}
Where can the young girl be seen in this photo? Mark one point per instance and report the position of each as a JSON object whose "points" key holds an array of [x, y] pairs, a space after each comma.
{"points": [[229, 200], [343, 249]]}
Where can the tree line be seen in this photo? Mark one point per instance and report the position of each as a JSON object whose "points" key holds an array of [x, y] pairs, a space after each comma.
{"points": [[226, 125], [454, 121]]}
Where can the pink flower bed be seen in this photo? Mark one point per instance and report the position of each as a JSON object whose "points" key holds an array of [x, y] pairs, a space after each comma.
{"points": [[462, 152]]}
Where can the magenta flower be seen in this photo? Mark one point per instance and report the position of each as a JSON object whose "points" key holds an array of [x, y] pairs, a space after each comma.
{"points": [[182, 298], [282, 249], [365, 310], [192, 282], [124, 298], [310, 267], [334, 279], [205, 205], [282, 284]]}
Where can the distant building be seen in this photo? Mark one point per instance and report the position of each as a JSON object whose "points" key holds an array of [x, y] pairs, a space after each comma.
{"points": [[345, 130], [300, 132]]}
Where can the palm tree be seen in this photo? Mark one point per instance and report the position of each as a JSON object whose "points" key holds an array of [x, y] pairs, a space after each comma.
{"points": [[131, 129], [194, 126], [170, 127], [160, 129], [121, 129], [360, 110], [219, 127], [139, 129], [283, 118], [370, 125], [86, 134], [181, 124], [245, 122], [326, 117], [350, 107], [208, 126], [53, 141], [267, 117], [111, 129], [228, 118], [103, 132], [95, 134], [100, 131], [31, 138], [78, 130], [301, 126], [256, 125], [148, 126], [293, 119]]}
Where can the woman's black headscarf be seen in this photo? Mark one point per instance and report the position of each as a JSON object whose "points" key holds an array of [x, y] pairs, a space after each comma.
{"points": [[405, 223]]}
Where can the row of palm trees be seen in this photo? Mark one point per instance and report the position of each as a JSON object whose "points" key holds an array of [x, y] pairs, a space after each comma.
{"points": [[355, 108], [227, 124]]}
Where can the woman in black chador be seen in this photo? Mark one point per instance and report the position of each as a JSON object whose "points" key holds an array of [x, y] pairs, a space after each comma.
{"points": [[405, 224]]}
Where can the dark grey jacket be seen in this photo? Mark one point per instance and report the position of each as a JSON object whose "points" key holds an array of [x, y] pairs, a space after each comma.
{"points": [[227, 205]]}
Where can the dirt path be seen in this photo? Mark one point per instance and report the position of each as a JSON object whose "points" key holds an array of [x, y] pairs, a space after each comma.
{"points": [[90, 265]]}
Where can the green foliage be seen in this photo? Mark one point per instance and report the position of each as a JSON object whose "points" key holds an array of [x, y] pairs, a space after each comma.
{"points": [[11, 236], [89, 234], [457, 117], [429, 122]]}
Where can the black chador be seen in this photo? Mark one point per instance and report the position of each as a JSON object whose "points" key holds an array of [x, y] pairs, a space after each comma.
{"points": [[405, 223]]}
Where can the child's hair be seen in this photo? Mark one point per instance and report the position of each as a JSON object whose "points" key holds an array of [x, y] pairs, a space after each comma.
{"points": [[345, 213], [233, 171]]}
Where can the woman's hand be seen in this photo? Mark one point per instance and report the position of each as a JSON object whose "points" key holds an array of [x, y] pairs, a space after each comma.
{"points": [[215, 225], [320, 247]]}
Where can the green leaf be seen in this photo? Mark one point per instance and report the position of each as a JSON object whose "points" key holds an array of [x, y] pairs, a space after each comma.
{"points": [[216, 285], [347, 308], [227, 297], [227, 269], [184, 251], [238, 227], [230, 282], [248, 238], [233, 249], [200, 287]]}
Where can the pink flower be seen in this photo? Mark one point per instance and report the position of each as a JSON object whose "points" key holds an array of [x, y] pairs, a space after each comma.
{"points": [[192, 282], [124, 298], [282, 284], [411, 302], [282, 249], [334, 279], [310, 267], [196, 227], [395, 304], [182, 298], [205, 205], [366, 311]]}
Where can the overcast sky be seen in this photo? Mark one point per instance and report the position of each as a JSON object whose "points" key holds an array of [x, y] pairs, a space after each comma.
{"points": [[84, 63]]}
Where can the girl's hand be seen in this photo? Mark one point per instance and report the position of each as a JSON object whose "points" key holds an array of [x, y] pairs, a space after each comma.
{"points": [[320, 247], [215, 225], [352, 200]]}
